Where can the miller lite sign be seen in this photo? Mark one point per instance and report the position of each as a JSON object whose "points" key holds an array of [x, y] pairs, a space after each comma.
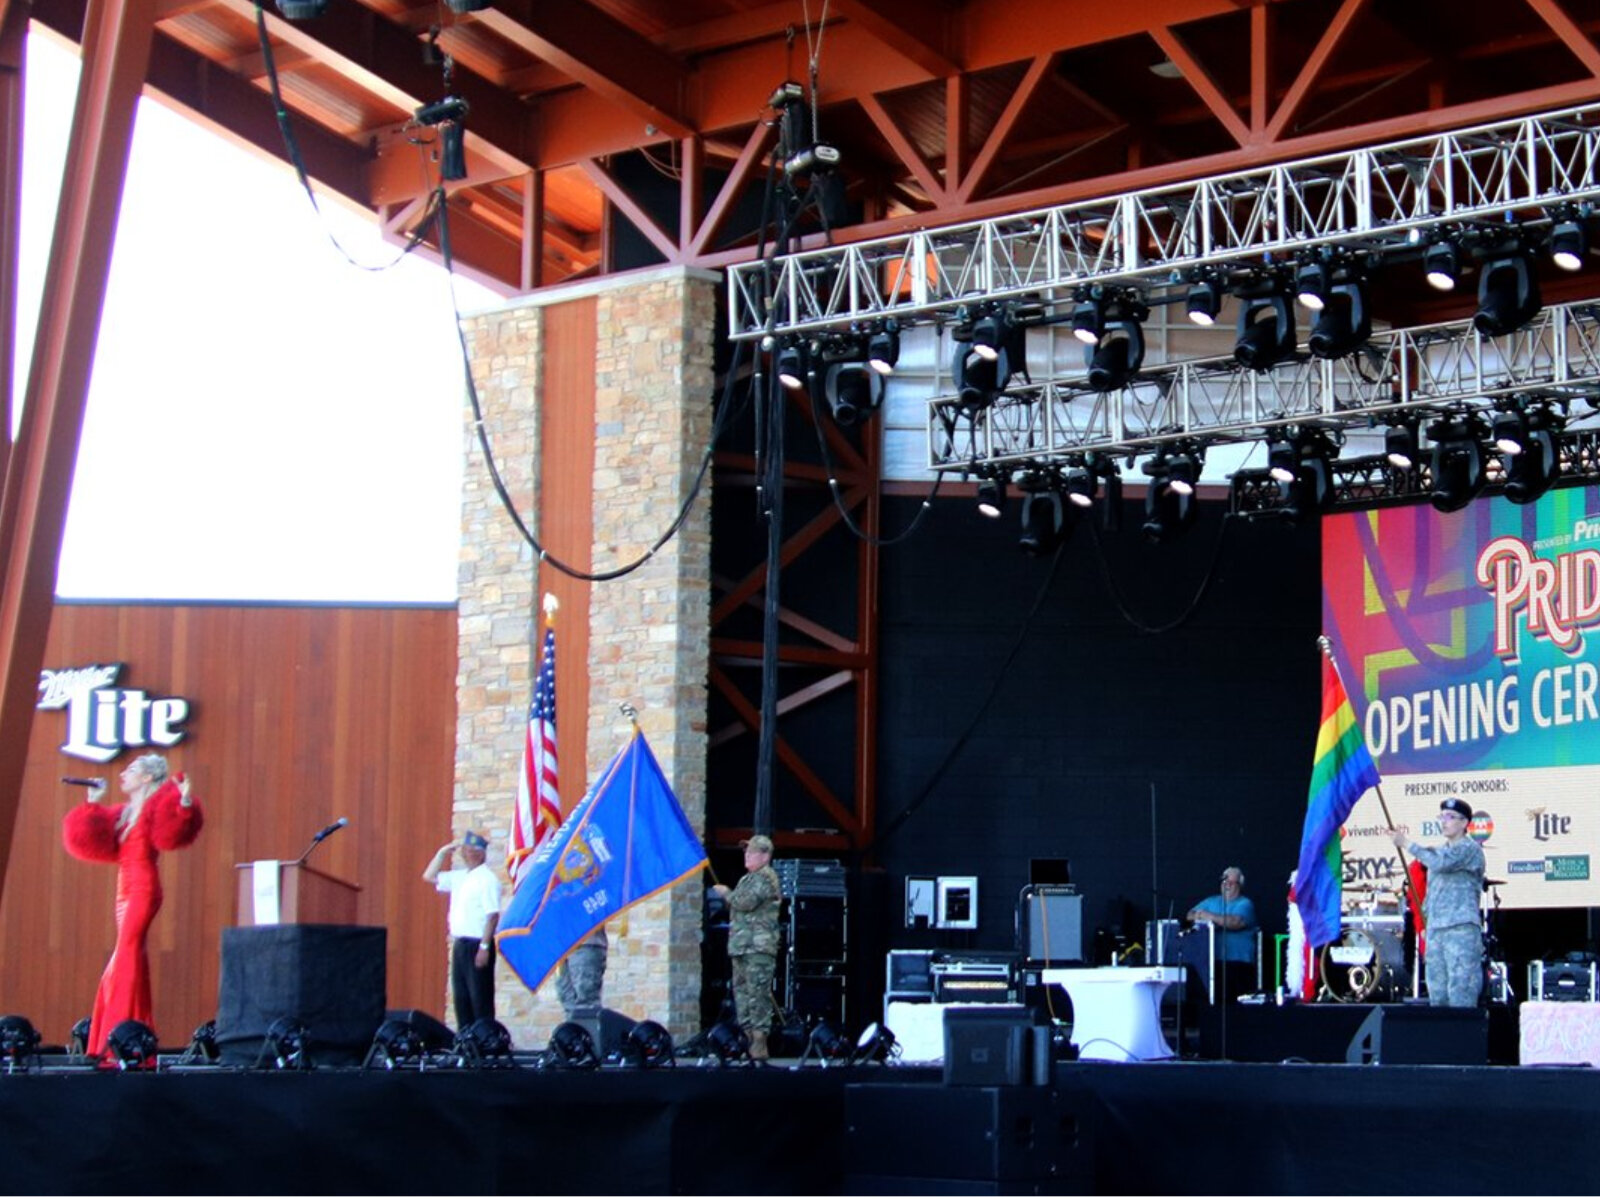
{"points": [[104, 720]]}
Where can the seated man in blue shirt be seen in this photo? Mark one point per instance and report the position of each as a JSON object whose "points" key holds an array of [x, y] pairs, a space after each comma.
{"points": [[1234, 917]]}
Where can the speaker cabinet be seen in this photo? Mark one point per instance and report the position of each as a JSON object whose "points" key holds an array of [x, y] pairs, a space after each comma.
{"points": [[1029, 1140], [1050, 925]]}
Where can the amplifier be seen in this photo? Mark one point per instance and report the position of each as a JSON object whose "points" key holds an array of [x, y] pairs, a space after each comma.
{"points": [[909, 975], [1561, 980], [811, 877], [976, 977]]}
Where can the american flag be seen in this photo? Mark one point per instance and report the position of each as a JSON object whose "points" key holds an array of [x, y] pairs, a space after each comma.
{"points": [[538, 792]]}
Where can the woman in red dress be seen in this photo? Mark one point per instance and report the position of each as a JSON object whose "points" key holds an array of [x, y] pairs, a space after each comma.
{"points": [[159, 815]]}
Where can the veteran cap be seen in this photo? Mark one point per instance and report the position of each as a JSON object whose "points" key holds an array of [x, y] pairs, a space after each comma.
{"points": [[758, 842], [473, 839]]}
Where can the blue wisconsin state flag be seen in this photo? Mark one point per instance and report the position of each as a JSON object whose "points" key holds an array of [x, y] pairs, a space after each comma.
{"points": [[624, 842]]}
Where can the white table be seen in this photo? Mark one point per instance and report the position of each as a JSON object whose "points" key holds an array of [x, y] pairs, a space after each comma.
{"points": [[1116, 1011]]}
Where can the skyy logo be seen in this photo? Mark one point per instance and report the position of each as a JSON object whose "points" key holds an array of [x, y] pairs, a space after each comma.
{"points": [[103, 720]]}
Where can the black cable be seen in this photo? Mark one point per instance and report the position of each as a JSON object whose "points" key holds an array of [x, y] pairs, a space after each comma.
{"points": [[838, 494], [1193, 605], [965, 736], [719, 424], [291, 146]]}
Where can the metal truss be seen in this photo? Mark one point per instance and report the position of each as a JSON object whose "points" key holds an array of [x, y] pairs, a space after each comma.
{"points": [[1365, 200], [1372, 482], [1554, 358]]}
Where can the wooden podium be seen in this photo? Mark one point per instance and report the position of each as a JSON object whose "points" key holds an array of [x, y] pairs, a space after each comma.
{"points": [[303, 895]]}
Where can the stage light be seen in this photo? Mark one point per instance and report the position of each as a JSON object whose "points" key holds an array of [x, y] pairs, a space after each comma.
{"points": [[1441, 265], [1344, 323], [78, 1040], [1400, 444], [1533, 468], [876, 1045], [18, 1041], [1169, 503], [1310, 490], [302, 10], [133, 1045], [978, 380], [1045, 521], [485, 1043], [1510, 431], [572, 1046], [993, 333], [202, 1046], [791, 366], [854, 392], [393, 1045], [1458, 468], [1311, 286], [286, 1046], [1281, 457], [1204, 302], [1080, 486], [648, 1045], [1569, 245], [1508, 295], [992, 496], [883, 349], [728, 1043], [1266, 332], [1089, 321], [828, 1042], [1117, 356]]}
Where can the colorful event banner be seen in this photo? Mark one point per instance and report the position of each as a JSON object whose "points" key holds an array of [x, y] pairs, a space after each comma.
{"points": [[1468, 646]]}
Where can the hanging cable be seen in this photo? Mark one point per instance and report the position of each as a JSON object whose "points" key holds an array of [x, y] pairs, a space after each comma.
{"points": [[1189, 610], [719, 424], [291, 146]]}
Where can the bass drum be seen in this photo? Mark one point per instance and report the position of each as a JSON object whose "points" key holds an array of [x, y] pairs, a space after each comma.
{"points": [[1352, 968]]}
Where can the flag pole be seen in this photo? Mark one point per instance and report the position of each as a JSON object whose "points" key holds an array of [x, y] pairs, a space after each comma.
{"points": [[1405, 871]]}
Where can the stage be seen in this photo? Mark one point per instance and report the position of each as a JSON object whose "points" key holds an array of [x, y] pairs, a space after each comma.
{"points": [[1111, 1128]]}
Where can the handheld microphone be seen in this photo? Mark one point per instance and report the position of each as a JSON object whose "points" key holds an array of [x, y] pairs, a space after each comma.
{"points": [[327, 830], [84, 781]]}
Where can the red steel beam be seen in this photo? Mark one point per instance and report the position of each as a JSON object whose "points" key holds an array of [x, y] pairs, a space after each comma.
{"points": [[13, 77], [33, 510]]}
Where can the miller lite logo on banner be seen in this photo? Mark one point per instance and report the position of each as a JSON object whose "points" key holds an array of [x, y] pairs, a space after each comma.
{"points": [[104, 720]]}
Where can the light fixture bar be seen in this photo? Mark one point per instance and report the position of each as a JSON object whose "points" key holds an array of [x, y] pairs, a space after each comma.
{"points": [[1368, 199], [1555, 357]]}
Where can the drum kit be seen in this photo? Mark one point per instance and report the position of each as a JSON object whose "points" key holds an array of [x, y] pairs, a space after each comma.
{"points": [[1368, 963]]}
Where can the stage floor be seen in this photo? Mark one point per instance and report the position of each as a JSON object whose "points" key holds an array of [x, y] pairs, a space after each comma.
{"points": [[1176, 1128]]}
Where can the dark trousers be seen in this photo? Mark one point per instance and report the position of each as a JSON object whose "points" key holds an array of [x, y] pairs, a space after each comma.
{"points": [[473, 986]]}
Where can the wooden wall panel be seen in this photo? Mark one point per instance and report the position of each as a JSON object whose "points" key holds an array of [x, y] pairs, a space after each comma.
{"points": [[300, 715], [566, 515]]}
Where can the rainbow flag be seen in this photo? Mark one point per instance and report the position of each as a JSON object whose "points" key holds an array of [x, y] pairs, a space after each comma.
{"points": [[1341, 773]]}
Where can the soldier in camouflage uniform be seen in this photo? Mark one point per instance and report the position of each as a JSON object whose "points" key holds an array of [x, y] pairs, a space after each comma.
{"points": [[753, 941], [582, 972], [1454, 958]]}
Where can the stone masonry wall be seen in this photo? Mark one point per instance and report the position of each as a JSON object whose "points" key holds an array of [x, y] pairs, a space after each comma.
{"points": [[649, 631]]}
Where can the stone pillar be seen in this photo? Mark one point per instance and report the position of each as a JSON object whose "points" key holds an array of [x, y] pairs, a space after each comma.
{"points": [[649, 631]]}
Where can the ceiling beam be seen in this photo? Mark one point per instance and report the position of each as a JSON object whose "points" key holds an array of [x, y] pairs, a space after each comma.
{"points": [[913, 29], [1314, 65], [386, 59], [233, 108], [1198, 78], [599, 52], [1567, 30]]}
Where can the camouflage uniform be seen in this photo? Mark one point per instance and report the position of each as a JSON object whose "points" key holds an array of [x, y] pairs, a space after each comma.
{"points": [[582, 972], [1454, 958], [753, 946]]}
